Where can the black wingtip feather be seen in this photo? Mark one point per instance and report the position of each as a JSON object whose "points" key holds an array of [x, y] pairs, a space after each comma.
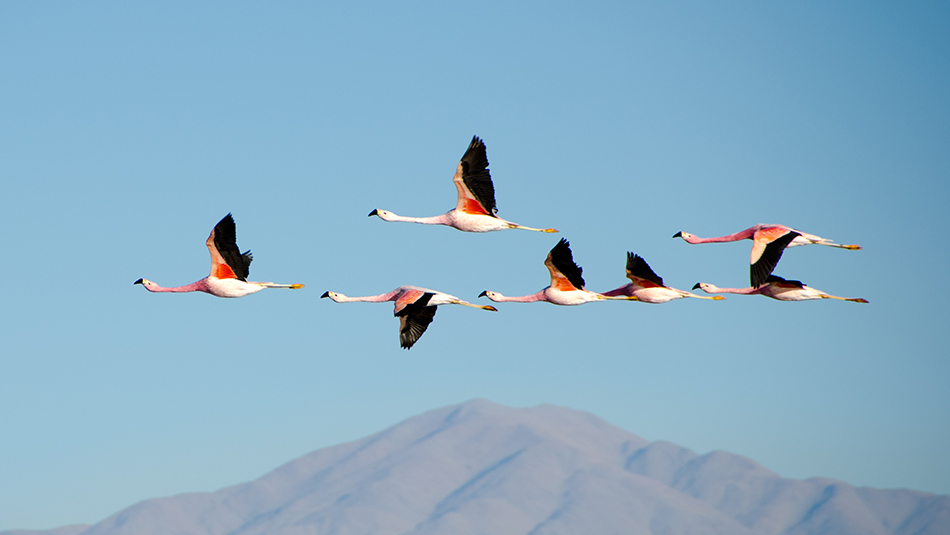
{"points": [[225, 241], [563, 260], [638, 267], [476, 175], [413, 321], [761, 270]]}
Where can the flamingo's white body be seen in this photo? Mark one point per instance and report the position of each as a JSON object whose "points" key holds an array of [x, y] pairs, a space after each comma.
{"points": [[647, 286], [778, 288], [229, 268], [475, 209], [567, 284], [414, 306], [768, 243]]}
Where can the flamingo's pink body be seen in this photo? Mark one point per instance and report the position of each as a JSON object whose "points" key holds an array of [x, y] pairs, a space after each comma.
{"points": [[768, 243], [229, 268], [567, 284], [475, 206], [414, 306], [647, 286], [778, 288]]}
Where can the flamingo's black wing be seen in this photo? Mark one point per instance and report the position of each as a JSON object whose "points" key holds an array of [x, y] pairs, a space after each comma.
{"points": [[763, 267], [563, 260], [414, 319], [638, 267], [476, 176], [225, 241], [413, 322]]}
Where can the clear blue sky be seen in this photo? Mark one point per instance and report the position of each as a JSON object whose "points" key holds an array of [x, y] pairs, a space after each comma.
{"points": [[128, 131]]}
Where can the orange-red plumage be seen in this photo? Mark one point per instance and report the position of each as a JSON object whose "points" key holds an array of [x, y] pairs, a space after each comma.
{"points": [[471, 206], [223, 271]]}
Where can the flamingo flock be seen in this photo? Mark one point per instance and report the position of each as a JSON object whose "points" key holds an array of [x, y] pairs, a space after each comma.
{"points": [[475, 211]]}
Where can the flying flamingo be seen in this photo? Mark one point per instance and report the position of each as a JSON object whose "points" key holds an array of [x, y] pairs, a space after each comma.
{"points": [[768, 242], [229, 268], [647, 286], [475, 209], [415, 308], [567, 284], [778, 288]]}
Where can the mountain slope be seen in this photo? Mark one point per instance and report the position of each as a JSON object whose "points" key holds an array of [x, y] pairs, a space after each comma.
{"points": [[479, 467]]}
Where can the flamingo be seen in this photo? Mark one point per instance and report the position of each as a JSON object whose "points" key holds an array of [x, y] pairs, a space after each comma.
{"points": [[415, 308], [768, 242], [647, 286], [778, 288], [567, 284], [229, 268], [475, 209]]}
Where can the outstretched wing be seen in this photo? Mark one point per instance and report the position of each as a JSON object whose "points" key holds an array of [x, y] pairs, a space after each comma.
{"points": [[414, 319], [565, 274], [766, 254], [476, 193], [639, 272], [227, 262]]}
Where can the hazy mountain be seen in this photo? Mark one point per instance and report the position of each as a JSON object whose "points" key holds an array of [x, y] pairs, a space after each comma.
{"points": [[484, 468]]}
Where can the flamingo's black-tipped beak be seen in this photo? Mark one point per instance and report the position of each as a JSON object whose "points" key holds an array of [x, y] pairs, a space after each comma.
{"points": [[325, 294], [371, 214], [678, 234], [483, 294], [696, 285], [140, 281]]}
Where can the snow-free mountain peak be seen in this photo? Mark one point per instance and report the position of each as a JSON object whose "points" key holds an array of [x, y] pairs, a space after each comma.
{"points": [[480, 467]]}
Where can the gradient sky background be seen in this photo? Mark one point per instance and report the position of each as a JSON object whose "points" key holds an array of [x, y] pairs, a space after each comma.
{"points": [[128, 131]]}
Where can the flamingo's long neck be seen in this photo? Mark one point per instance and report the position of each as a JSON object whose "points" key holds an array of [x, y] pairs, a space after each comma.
{"points": [[741, 235], [433, 220], [388, 296], [710, 289], [521, 299], [197, 286]]}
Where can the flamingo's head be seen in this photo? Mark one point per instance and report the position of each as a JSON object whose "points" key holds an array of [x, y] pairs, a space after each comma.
{"points": [[685, 235], [490, 294], [332, 295], [704, 287], [146, 283], [382, 214]]}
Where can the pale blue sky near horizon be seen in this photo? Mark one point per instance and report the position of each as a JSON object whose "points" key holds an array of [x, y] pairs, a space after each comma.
{"points": [[128, 131]]}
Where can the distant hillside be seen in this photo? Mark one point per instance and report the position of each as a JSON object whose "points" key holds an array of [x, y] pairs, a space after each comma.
{"points": [[482, 468]]}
